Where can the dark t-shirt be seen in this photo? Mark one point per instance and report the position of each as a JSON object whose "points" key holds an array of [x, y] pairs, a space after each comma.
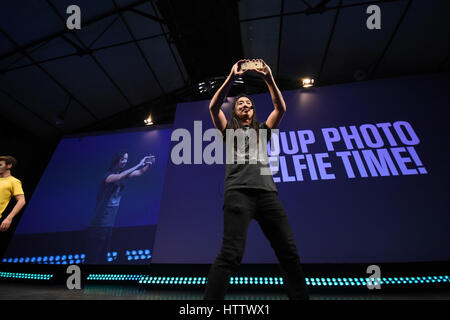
{"points": [[248, 175], [108, 201]]}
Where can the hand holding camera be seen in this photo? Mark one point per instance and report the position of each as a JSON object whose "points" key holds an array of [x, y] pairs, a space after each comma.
{"points": [[255, 66], [150, 159], [147, 160]]}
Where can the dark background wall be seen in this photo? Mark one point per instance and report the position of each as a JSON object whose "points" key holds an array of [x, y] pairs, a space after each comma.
{"points": [[32, 155]]}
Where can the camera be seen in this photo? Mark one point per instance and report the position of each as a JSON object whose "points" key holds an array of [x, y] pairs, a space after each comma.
{"points": [[150, 160]]}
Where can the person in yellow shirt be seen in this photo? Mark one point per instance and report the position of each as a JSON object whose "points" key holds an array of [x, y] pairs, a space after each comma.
{"points": [[9, 187]]}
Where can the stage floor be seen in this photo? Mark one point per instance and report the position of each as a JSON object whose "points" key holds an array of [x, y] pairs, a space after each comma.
{"points": [[22, 291]]}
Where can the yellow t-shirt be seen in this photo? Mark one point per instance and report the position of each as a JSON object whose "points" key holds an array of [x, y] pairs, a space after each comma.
{"points": [[9, 187]]}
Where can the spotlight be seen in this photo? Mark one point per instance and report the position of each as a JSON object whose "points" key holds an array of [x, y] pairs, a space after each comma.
{"points": [[307, 82], [204, 87], [239, 80], [148, 121]]}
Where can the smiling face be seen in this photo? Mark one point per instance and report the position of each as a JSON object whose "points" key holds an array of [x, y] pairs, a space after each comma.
{"points": [[244, 109]]}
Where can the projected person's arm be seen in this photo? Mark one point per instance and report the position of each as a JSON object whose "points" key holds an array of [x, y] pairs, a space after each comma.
{"points": [[142, 170], [276, 115], [126, 173], [217, 115], [8, 220]]}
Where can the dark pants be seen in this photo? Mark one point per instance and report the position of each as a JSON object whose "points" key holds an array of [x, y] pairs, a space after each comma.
{"points": [[99, 242], [240, 207]]}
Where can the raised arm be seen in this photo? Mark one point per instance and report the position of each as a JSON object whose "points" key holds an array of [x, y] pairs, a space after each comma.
{"points": [[217, 115], [142, 170], [276, 115], [126, 173]]}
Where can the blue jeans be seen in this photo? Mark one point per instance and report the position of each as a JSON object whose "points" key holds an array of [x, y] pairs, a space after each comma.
{"points": [[240, 207]]}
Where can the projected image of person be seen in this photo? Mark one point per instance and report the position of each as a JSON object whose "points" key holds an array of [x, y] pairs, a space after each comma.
{"points": [[108, 201], [250, 194]]}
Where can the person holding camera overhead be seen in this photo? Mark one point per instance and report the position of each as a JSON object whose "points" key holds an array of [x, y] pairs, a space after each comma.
{"points": [[249, 194]]}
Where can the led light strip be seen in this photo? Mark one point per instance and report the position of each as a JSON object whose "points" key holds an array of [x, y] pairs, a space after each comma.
{"points": [[114, 277], [27, 276], [80, 258], [173, 280], [381, 281], [271, 281], [58, 259]]}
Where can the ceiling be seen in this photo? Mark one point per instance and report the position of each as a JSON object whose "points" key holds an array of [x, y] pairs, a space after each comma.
{"points": [[133, 57]]}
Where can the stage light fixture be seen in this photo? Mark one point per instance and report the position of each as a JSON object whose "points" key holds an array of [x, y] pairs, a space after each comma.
{"points": [[239, 80], [307, 82], [148, 121]]}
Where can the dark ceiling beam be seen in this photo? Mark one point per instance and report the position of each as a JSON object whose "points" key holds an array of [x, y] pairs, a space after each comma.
{"points": [[318, 10], [140, 50], [89, 52], [145, 14], [25, 53], [306, 4], [171, 98], [280, 33], [169, 43], [391, 38], [65, 30], [330, 38], [206, 34], [78, 54], [103, 32], [29, 110], [367, 3], [22, 56], [71, 43]]}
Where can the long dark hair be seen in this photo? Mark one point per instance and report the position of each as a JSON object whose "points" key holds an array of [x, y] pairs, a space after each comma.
{"points": [[235, 122], [114, 166]]}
